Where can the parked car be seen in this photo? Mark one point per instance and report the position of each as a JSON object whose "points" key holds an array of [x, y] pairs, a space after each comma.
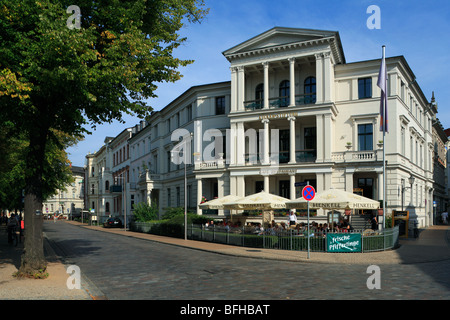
{"points": [[113, 223]]}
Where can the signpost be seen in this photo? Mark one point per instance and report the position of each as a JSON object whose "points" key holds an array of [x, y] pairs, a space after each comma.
{"points": [[345, 242], [308, 194]]}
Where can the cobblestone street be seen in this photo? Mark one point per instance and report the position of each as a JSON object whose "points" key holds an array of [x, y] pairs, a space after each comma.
{"points": [[129, 268]]}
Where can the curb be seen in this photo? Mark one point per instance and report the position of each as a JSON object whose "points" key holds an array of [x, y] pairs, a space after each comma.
{"points": [[91, 289]]}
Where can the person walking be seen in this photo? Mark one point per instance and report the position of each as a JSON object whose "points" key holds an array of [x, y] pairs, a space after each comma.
{"points": [[374, 222], [444, 216]]}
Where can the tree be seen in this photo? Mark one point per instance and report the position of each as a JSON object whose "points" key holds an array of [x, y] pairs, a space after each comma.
{"points": [[13, 150], [57, 78]]}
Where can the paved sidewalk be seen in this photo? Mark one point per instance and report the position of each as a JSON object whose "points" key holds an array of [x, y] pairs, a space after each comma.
{"points": [[52, 288], [432, 245]]}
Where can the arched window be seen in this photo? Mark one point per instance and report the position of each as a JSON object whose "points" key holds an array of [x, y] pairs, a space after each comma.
{"points": [[107, 186], [107, 207], [284, 93], [310, 90]]}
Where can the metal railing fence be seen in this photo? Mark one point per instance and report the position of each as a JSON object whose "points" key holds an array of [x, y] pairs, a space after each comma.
{"points": [[290, 239]]}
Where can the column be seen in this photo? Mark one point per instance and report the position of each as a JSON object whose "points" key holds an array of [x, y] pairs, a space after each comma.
{"points": [[231, 142], [266, 85], [292, 159], [241, 88], [393, 85], [319, 133], [233, 89], [328, 137], [198, 143], [266, 141], [292, 82], [240, 144], [380, 186], [233, 185], [240, 186], [327, 77], [292, 186], [266, 184], [148, 196], [199, 195], [349, 181], [220, 190], [319, 78]]}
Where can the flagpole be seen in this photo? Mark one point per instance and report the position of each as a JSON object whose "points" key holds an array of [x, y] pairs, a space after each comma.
{"points": [[384, 154]]}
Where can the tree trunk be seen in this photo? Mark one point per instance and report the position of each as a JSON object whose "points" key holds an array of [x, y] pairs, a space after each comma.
{"points": [[33, 259]]}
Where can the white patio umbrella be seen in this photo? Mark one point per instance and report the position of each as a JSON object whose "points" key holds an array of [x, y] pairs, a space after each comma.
{"points": [[259, 201], [334, 199], [218, 203]]}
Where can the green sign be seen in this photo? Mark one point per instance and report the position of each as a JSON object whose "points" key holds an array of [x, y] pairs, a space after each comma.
{"points": [[343, 242]]}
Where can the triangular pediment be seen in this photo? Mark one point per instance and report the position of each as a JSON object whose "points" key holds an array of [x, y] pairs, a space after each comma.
{"points": [[279, 36]]}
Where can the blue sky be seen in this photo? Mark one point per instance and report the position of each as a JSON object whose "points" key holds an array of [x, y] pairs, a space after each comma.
{"points": [[419, 30]]}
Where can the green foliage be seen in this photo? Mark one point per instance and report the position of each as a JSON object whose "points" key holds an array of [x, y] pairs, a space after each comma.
{"points": [[107, 67], [144, 212], [172, 212], [174, 226], [388, 222], [56, 81]]}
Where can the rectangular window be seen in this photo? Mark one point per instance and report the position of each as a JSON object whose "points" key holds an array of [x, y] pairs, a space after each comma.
{"points": [[169, 160], [220, 105], [189, 196], [402, 91], [310, 142], [364, 88], [169, 196], [403, 142], [189, 112], [155, 163], [365, 137]]}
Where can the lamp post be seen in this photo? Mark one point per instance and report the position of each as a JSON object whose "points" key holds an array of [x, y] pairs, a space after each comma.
{"points": [[185, 184], [411, 182]]}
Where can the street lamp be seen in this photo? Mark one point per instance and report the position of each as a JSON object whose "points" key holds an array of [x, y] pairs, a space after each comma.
{"points": [[185, 184], [411, 182]]}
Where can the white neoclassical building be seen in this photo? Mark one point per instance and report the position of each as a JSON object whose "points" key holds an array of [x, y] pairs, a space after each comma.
{"points": [[294, 111], [70, 200]]}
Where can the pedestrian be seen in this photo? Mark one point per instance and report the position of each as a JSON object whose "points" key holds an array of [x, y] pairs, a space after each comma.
{"points": [[12, 224], [292, 220], [374, 222], [444, 216]]}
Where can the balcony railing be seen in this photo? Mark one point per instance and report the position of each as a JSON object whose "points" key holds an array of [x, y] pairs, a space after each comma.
{"points": [[280, 102], [210, 164], [355, 156], [307, 155], [148, 176]]}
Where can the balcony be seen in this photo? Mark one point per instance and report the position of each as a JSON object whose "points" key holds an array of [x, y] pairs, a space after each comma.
{"points": [[301, 156], [357, 156], [210, 164], [280, 102], [117, 188], [148, 176]]}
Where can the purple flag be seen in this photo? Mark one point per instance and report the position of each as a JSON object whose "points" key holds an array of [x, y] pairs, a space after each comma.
{"points": [[382, 84]]}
